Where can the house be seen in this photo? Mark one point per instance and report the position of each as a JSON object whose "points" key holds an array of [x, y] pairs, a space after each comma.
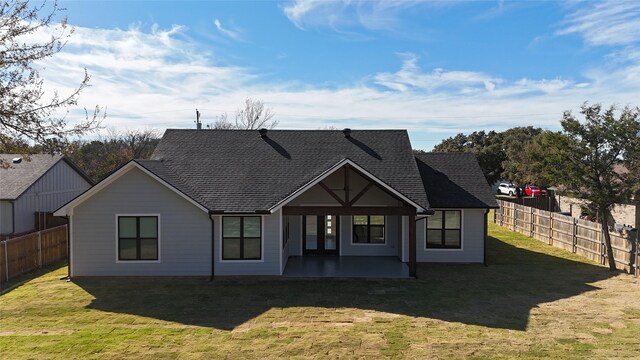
{"points": [[246, 202], [35, 183]]}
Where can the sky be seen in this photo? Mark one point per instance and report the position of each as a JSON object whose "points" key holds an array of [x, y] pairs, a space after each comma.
{"points": [[434, 68]]}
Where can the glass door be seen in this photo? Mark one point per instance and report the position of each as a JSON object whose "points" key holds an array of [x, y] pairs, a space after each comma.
{"points": [[320, 234]]}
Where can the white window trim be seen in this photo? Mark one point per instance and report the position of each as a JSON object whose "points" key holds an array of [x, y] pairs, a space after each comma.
{"points": [[118, 261], [461, 233], [369, 244], [261, 260]]}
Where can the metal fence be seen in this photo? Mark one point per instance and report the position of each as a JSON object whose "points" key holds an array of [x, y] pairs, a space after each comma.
{"points": [[581, 237]]}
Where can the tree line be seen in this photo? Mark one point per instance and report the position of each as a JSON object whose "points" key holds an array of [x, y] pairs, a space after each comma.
{"points": [[596, 158]]}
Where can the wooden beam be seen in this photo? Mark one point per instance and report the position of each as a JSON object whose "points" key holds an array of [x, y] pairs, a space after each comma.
{"points": [[359, 195], [412, 245], [364, 176], [348, 210], [333, 195]]}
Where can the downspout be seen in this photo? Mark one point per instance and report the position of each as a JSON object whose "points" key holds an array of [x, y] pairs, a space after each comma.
{"points": [[486, 235], [68, 246], [213, 259]]}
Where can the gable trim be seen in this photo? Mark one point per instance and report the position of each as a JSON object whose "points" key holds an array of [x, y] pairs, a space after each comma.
{"points": [[333, 169], [67, 209]]}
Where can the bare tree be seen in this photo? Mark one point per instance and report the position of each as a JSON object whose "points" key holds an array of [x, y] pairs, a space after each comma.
{"points": [[253, 115], [26, 112], [222, 122]]}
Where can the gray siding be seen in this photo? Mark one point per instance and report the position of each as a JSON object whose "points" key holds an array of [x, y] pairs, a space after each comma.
{"points": [[295, 235], [6, 217], [390, 248], [270, 263], [472, 241], [54, 189], [185, 230]]}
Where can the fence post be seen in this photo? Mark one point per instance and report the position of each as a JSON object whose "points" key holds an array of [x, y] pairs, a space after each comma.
{"points": [[600, 245], [531, 222], [574, 234], [637, 263], [550, 228], [6, 260], [39, 249]]}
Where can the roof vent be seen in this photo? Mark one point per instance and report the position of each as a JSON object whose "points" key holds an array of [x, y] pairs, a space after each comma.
{"points": [[347, 133], [263, 133], [17, 160]]}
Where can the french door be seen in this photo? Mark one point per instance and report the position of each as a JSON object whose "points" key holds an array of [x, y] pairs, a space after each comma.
{"points": [[320, 234]]}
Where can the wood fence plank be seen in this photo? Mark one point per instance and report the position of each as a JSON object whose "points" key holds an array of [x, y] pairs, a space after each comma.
{"points": [[576, 235], [25, 253]]}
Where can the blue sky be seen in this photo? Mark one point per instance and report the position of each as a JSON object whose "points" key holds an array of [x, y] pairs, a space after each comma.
{"points": [[435, 68]]}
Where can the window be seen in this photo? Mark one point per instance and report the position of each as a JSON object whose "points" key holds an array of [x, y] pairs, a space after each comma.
{"points": [[368, 229], [137, 238], [241, 238], [443, 230]]}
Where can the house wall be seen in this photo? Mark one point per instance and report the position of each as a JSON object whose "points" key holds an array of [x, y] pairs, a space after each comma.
{"points": [[184, 230], [284, 251], [295, 235], [6, 218], [472, 250], [54, 189], [390, 248], [270, 264]]}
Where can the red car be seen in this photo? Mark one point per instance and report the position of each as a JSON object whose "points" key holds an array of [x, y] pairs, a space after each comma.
{"points": [[532, 190]]}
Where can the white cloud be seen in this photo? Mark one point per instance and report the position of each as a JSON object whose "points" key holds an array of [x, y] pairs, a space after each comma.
{"points": [[605, 23], [340, 14], [157, 79], [233, 34]]}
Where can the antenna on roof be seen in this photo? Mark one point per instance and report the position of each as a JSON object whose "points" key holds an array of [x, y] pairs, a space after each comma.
{"points": [[198, 123]]}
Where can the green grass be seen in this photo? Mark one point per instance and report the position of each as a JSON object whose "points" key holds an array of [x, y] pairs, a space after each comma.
{"points": [[533, 301]]}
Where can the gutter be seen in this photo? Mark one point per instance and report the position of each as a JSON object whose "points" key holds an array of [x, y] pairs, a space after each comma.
{"points": [[225, 212]]}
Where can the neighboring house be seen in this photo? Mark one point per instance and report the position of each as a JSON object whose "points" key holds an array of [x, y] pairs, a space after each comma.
{"points": [[35, 183], [242, 202]]}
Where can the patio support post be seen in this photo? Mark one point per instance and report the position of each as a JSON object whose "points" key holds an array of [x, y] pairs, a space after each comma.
{"points": [[412, 245]]}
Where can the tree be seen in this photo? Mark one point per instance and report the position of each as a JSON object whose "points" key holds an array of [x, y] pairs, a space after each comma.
{"points": [[515, 164], [583, 155], [486, 146], [26, 112], [98, 158], [252, 116]]}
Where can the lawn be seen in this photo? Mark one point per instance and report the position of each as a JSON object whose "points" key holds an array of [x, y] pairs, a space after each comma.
{"points": [[533, 301]]}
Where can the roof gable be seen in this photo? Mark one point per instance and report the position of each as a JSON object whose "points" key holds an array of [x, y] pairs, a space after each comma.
{"points": [[240, 171], [19, 177], [454, 180], [67, 209]]}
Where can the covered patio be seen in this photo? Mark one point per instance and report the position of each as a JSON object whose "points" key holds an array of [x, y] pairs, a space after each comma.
{"points": [[346, 267]]}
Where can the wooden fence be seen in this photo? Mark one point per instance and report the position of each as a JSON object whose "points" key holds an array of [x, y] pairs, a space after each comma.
{"points": [[581, 237], [25, 253]]}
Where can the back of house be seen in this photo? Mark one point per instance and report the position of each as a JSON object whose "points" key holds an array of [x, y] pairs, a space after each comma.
{"points": [[245, 202]]}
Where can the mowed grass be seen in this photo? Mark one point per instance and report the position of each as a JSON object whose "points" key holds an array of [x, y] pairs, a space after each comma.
{"points": [[533, 301]]}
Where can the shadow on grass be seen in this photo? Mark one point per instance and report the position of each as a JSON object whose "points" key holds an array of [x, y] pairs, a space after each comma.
{"points": [[17, 282], [499, 296]]}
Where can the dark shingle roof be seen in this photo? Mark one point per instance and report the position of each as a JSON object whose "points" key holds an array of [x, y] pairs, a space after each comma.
{"points": [[237, 170], [454, 180], [17, 178]]}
